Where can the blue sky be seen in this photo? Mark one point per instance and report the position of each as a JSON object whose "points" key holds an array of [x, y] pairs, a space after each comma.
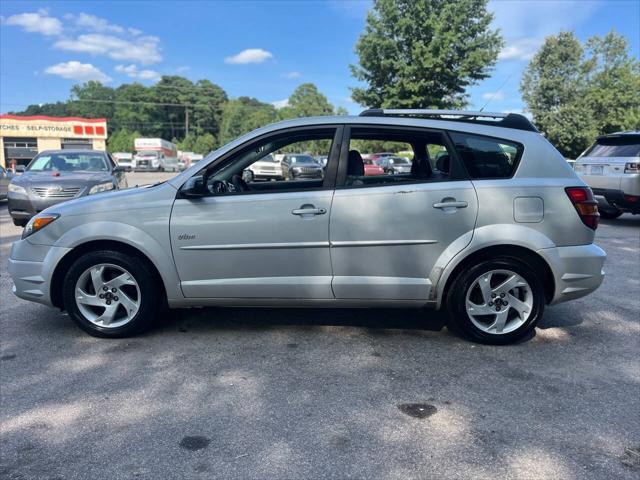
{"points": [[262, 49]]}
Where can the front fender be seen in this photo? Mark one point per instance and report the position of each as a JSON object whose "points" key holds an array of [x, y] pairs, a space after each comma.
{"points": [[160, 255], [483, 237]]}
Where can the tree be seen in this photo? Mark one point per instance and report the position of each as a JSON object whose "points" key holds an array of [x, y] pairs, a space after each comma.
{"points": [[306, 101], [242, 115], [204, 144], [575, 94], [424, 53], [92, 100], [122, 141], [613, 91]]}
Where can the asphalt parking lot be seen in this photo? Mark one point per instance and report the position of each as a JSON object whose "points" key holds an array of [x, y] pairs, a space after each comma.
{"points": [[290, 393]]}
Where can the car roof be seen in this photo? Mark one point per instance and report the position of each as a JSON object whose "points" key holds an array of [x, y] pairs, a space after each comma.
{"points": [[69, 150], [629, 134]]}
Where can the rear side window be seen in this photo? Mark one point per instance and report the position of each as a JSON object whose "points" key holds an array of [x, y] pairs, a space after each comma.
{"points": [[487, 157]]}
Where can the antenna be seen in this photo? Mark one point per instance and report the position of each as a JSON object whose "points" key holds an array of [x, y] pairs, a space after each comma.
{"points": [[497, 92]]}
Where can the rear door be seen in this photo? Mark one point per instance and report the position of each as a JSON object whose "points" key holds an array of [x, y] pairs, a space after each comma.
{"points": [[388, 231]]}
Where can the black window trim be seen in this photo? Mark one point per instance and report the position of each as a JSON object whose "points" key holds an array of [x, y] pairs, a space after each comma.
{"points": [[344, 154], [491, 137], [328, 182]]}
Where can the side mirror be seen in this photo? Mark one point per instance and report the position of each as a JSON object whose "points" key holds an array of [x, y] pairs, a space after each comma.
{"points": [[20, 169], [194, 187], [118, 169]]}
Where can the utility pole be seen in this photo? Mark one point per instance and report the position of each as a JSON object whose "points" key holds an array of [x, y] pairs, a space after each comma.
{"points": [[186, 121]]}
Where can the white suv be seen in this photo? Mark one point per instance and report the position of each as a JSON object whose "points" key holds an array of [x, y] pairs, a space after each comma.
{"points": [[611, 167], [492, 225]]}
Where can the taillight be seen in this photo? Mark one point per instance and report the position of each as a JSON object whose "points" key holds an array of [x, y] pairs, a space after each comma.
{"points": [[585, 204], [632, 168]]}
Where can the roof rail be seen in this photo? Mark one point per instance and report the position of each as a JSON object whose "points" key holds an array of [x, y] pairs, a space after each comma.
{"points": [[505, 120]]}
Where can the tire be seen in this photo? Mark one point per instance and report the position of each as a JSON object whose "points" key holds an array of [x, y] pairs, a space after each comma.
{"points": [[144, 293], [20, 222], [609, 213], [528, 292]]}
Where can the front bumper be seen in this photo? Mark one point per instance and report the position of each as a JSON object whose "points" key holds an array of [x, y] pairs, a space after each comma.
{"points": [[25, 207], [577, 270], [31, 268], [619, 199]]}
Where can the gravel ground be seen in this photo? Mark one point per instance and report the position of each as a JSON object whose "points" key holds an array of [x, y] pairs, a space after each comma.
{"points": [[291, 393]]}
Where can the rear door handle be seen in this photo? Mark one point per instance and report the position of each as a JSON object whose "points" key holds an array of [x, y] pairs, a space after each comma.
{"points": [[308, 210], [450, 204]]}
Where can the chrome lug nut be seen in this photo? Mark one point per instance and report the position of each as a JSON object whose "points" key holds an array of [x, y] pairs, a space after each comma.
{"points": [[105, 288], [502, 295], [108, 302], [491, 304], [493, 295], [497, 308], [504, 303], [114, 290], [101, 295], [115, 298]]}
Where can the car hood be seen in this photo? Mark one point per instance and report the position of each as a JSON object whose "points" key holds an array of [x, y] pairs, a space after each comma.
{"points": [[128, 200], [65, 178]]}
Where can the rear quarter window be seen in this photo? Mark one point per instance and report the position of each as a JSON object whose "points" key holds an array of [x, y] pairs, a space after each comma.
{"points": [[487, 157]]}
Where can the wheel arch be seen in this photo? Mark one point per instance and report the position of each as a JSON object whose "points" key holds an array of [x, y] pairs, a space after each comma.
{"points": [[57, 278], [518, 252]]}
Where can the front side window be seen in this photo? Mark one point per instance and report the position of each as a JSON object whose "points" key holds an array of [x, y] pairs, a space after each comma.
{"points": [[69, 162], [408, 156], [487, 157], [277, 163]]}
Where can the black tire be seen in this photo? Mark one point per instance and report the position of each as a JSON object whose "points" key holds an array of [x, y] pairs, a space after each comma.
{"points": [[609, 213], [143, 275], [456, 299], [19, 222]]}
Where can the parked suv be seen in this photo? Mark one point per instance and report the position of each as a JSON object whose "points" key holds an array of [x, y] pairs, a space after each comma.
{"points": [[611, 167], [493, 230]]}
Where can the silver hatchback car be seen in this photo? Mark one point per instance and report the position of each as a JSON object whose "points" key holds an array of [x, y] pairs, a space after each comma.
{"points": [[490, 223]]}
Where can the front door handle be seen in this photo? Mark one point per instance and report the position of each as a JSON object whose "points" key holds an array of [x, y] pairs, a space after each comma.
{"points": [[308, 211], [450, 203]]}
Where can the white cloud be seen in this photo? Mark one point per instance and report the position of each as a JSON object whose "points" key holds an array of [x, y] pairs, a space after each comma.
{"points": [[281, 103], [144, 50], [183, 69], [133, 72], [493, 95], [75, 70], [134, 31], [38, 22], [292, 75], [523, 49], [93, 23], [250, 55]]}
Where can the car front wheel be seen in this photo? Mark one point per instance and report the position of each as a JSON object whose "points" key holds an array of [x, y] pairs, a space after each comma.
{"points": [[19, 222], [111, 294], [497, 301]]}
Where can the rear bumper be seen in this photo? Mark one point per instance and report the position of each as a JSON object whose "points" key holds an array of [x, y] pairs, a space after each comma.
{"points": [[618, 198], [577, 270]]}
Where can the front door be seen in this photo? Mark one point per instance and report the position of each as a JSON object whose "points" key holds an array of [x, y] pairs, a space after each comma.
{"points": [[387, 231], [266, 239]]}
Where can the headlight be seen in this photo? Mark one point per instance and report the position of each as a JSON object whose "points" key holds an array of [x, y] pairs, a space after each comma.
{"points": [[101, 187], [13, 188], [38, 223]]}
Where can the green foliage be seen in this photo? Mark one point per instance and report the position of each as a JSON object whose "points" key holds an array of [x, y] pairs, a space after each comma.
{"points": [[576, 93], [204, 144], [306, 101], [242, 115], [424, 53], [122, 141]]}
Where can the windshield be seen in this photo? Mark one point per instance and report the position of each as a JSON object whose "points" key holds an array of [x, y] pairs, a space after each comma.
{"points": [[152, 154], [69, 162], [268, 158], [615, 148]]}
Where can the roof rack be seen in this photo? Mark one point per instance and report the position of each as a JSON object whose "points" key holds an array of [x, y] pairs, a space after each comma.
{"points": [[505, 120]]}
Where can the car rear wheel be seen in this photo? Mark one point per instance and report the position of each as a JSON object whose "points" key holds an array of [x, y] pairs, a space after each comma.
{"points": [[497, 301], [111, 294]]}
